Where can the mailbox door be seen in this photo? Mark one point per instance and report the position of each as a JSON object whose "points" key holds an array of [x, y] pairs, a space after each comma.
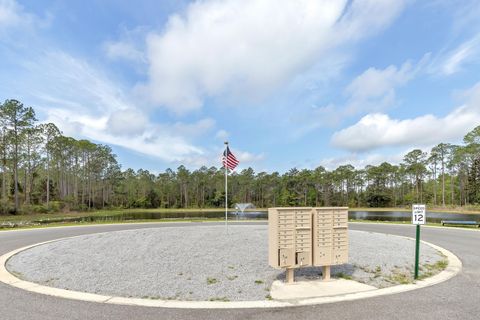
{"points": [[286, 257], [304, 258], [323, 256], [340, 255]]}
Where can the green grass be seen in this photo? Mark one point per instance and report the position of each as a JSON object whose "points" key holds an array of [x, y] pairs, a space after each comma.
{"points": [[401, 277], [429, 224], [455, 209], [429, 270], [342, 275], [114, 216], [86, 223], [259, 282], [223, 299], [109, 216], [211, 280]]}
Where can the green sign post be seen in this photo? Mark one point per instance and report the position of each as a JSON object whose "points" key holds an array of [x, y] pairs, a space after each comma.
{"points": [[418, 218]]}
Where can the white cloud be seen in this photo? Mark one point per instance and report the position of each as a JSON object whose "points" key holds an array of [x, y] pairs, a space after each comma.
{"points": [[14, 17], [379, 130], [465, 16], [10, 13], [456, 59], [247, 157], [374, 83], [123, 50], [127, 122], [374, 90], [190, 130], [315, 117], [130, 46], [364, 17], [222, 134], [86, 103], [360, 161], [218, 47]]}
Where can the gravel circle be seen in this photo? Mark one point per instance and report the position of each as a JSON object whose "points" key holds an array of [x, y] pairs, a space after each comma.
{"points": [[202, 263]]}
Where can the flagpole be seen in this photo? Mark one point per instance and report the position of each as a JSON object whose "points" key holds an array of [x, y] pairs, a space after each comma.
{"points": [[226, 190]]}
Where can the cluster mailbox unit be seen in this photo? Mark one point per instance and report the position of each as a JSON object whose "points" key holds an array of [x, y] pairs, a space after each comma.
{"points": [[300, 237]]}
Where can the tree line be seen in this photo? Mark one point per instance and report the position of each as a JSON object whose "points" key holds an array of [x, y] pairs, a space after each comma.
{"points": [[43, 171]]}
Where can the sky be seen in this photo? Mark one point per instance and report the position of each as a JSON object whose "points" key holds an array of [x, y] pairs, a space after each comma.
{"points": [[289, 84]]}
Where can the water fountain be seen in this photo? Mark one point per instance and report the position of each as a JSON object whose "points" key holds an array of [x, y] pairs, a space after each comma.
{"points": [[241, 214]]}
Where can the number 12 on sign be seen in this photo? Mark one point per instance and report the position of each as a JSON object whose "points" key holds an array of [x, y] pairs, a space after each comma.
{"points": [[418, 214]]}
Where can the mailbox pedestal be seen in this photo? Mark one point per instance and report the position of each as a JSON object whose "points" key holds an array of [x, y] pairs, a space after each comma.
{"points": [[305, 236]]}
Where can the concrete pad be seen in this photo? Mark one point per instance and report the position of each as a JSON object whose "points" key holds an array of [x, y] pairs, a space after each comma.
{"points": [[314, 289]]}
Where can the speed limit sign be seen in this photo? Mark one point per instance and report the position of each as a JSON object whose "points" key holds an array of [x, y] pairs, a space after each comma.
{"points": [[418, 214]]}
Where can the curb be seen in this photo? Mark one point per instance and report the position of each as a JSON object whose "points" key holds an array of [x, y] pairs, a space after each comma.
{"points": [[453, 268]]}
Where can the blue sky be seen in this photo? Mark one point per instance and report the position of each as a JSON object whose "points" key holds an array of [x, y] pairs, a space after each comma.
{"points": [[288, 83]]}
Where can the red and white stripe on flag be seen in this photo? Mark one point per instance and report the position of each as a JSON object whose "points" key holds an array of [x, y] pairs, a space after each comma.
{"points": [[228, 159]]}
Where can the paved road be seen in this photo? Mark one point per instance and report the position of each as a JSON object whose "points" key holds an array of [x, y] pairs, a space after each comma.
{"points": [[457, 298]]}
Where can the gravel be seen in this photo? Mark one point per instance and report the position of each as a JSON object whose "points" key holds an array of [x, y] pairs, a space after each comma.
{"points": [[201, 263]]}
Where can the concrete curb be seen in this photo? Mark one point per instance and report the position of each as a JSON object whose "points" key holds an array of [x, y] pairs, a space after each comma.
{"points": [[453, 268]]}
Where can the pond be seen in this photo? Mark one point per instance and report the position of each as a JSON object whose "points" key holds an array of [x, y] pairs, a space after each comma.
{"points": [[432, 217]]}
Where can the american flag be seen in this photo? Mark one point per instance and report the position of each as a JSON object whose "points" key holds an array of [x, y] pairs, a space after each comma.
{"points": [[228, 159]]}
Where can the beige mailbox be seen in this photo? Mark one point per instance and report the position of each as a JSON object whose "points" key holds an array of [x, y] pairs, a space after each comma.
{"points": [[305, 236], [290, 242], [330, 237]]}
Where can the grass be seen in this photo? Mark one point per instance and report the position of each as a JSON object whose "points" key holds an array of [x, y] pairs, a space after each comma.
{"points": [[223, 299], [400, 277], [454, 209], [113, 216], [429, 270], [429, 224], [342, 275], [106, 214], [259, 282], [108, 217], [86, 223], [16, 274], [112, 213], [211, 280]]}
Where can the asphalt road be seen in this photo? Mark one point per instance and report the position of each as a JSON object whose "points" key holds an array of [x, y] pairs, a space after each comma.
{"points": [[457, 298]]}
